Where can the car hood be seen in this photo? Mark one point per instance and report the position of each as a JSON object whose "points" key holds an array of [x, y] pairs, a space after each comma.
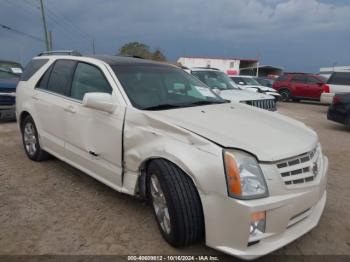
{"points": [[262, 88], [9, 83], [242, 95], [268, 136]]}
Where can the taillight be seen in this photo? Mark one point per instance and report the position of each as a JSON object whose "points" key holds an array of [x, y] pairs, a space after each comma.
{"points": [[325, 89], [336, 100]]}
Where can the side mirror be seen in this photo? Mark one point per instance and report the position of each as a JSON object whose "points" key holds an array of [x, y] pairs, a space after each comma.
{"points": [[241, 83], [99, 101]]}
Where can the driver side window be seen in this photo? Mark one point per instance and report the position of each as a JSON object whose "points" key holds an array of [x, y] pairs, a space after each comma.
{"points": [[88, 79]]}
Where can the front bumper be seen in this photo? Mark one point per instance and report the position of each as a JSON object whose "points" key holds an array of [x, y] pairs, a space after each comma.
{"points": [[288, 216], [8, 113], [327, 98], [335, 115]]}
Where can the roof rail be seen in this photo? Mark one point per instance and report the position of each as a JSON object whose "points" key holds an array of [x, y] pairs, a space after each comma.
{"points": [[60, 52], [134, 56], [203, 67]]}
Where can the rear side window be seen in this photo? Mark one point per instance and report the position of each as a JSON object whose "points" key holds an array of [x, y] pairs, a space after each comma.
{"points": [[299, 78], [88, 79], [61, 76], [340, 78], [313, 80], [42, 84], [32, 67]]}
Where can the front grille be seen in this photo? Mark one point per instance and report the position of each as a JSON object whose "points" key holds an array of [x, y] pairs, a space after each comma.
{"points": [[7, 100], [300, 169], [268, 104]]}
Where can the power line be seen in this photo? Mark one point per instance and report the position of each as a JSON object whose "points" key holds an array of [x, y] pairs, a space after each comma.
{"points": [[61, 21], [21, 33]]}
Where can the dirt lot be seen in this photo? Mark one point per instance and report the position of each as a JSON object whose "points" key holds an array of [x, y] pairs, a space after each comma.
{"points": [[52, 208]]}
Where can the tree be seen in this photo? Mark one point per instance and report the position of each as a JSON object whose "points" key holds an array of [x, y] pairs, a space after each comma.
{"points": [[141, 50], [136, 49], [158, 55]]}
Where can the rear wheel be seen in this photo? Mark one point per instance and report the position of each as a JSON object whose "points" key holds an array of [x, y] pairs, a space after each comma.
{"points": [[176, 203], [347, 122], [285, 95], [30, 139]]}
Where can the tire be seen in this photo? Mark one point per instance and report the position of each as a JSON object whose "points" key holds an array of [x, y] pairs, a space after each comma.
{"points": [[285, 95], [182, 222], [30, 140], [297, 100]]}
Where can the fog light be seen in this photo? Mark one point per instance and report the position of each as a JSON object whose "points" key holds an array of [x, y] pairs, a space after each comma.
{"points": [[257, 224]]}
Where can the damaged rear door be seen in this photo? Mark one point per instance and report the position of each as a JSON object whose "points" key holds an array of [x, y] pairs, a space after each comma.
{"points": [[93, 137]]}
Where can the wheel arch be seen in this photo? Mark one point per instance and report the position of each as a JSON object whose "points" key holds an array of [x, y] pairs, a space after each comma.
{"points": [[284, 88], [22, 116], [142, 179]]}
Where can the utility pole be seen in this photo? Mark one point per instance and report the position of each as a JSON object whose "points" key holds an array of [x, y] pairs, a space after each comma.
{"points": [[45, 26], [50, 41], [93, 46]]}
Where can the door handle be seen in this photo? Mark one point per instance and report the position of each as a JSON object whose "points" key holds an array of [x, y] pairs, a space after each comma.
{"points": [[70, 109]]}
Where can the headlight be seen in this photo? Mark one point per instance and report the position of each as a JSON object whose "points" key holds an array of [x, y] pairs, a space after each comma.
{"points": [[244, 177]]}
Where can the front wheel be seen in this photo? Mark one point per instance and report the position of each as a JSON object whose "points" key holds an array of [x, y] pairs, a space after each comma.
{"points": [[176, 203], [30, 140], [285, 95]]}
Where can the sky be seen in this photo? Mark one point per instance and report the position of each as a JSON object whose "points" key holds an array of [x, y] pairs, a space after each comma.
{"points": [[297, 35]]}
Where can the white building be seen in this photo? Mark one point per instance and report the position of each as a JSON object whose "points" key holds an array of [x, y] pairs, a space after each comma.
{"points": [[327, 71], [230, 66]]}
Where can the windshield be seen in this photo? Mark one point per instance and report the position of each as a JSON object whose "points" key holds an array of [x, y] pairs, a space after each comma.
{"points": [[250, 81], [163, 87], [245, 81], [215, 79], [5, 74]]}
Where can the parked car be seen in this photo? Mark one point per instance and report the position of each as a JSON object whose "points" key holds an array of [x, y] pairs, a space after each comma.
{"points": [[11, 66], [8, 83], [248, 180], [339, 110], [265, 81], [251, 84], [227, 89], [339, 82], [300, 86]]}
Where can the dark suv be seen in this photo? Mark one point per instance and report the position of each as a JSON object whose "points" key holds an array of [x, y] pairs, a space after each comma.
{"points": [[300, 86], [9, 77]]}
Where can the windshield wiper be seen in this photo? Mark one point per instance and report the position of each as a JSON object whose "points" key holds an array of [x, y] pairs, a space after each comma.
{"points": [[161, 107], [202, 103]]}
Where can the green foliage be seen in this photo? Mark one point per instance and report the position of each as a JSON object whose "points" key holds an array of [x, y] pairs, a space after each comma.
{"points": [[141, 50], [158, 55]]}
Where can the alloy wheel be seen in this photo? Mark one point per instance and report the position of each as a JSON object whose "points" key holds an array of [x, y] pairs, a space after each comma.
{"points": [[30, 139], [160, 205]]}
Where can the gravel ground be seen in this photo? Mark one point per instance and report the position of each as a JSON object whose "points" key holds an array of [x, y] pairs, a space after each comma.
{"points": [[52, 208]]}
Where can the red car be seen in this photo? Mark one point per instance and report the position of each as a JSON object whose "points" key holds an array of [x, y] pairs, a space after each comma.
{"points": [[300, 86]]}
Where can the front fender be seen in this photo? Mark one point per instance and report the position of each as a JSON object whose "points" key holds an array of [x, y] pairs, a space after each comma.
{"points": [[147, 138]]}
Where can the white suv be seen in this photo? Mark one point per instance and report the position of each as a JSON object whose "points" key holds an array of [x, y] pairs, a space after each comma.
{"points": [[251, 84], [227, 89], [151, 130], [339, 82]]}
